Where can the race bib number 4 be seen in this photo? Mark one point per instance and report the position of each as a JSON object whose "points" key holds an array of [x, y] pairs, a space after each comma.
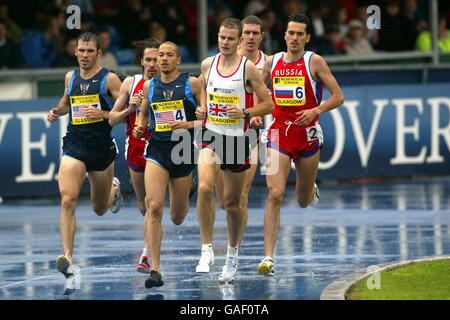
{"points": [[217, 109], [289, 91], [166, 112], [77, 105]]}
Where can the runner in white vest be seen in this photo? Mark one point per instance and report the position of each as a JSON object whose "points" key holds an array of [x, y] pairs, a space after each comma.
{"points": [[230, 81]]}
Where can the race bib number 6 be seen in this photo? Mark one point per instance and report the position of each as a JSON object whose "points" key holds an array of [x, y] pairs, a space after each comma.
{"points": [[289, 91]]}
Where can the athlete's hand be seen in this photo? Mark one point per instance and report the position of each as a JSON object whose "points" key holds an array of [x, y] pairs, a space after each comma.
{"points": [[52, 115], [235, 113], [200, 113], [256, 122], [135, 103], [305, 117], [138, 131], [92, 113]]}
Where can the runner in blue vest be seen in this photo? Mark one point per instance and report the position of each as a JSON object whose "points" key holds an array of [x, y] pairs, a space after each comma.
{"points": [[170, 101], [88, 146]]}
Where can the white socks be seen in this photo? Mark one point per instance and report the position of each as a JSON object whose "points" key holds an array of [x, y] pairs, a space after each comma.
{"points": [[232, 251]]}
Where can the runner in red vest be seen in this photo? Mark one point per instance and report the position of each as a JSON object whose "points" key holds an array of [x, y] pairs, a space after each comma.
{"points": [[297, 78]]}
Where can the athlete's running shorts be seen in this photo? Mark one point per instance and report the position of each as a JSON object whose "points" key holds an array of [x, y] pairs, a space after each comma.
{"points": [[293, 140], [97, 156], [170, 156]]}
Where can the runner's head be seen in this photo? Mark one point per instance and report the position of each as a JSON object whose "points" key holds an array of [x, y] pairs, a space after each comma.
{"points": [[230, 32], [252, 33], [87, 50], [297, 33], [146, 54], [168, 57]]}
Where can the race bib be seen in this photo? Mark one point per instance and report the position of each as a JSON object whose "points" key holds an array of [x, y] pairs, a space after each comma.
{"points": [[77, 105], [289, 91], [217, 109], [166, 112]]}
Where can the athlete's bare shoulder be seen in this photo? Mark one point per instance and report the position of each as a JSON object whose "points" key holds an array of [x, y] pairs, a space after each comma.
{"points": [[206, 65]]}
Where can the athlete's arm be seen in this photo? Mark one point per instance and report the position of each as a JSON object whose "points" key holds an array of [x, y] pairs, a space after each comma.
{"points": [[266, 69], [120, 111], [253, 79], [204, 68], [63, 104], [142, 118], [321, 72]]}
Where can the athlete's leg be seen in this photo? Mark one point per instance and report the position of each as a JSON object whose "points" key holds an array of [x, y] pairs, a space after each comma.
{"points": [[278, 166], [72, 173], [306, 171], [219, 189], [137, 179], [102, 189], [208, 167], [249, 176], [233, 187], [156, 180], [179, 189]]}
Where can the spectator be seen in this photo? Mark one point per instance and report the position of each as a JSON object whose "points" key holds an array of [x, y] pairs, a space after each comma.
{"points": [[424, 38], [67, 58], [134, 21], [8, 49], [37, 48], [371, 34], [356, 43], [107, 58], [272, 28], [332, 43], [254, 7], [158, 32], [397, 32], [13, 29]]}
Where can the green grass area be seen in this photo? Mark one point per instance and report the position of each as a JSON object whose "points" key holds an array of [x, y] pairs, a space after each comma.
{"points": [[428, 280]]}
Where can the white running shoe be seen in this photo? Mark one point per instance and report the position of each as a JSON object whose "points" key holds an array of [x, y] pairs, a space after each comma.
{"points": [[206, 261], [117, 202], [229, 270], [316, 197]]}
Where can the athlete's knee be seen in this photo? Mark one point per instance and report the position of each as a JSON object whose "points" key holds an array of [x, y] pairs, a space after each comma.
{"points": [[205, 190], [100, 208], [276, 195], [154, 209], [68, 203], [303, 201], [177, 220], [232, 205]]}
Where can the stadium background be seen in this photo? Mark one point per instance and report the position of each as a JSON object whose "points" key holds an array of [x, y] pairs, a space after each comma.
{"points": [[395, 122]]}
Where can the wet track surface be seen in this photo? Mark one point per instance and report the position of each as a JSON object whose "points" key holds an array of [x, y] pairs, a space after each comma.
{"points": [[355, 226]]}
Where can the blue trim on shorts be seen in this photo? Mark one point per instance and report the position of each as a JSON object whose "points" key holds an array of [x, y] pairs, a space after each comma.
{"points": [[310, 153], [134, 168], [275, 147]]}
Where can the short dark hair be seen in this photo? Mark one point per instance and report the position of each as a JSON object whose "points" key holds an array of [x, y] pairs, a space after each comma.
{"points": [[232, 23], [89, 36], [300, 18], [139, 47], [253, 20]]}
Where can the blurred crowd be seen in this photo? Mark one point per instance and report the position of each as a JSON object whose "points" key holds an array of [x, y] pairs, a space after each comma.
{"points": [[33, 34]]}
